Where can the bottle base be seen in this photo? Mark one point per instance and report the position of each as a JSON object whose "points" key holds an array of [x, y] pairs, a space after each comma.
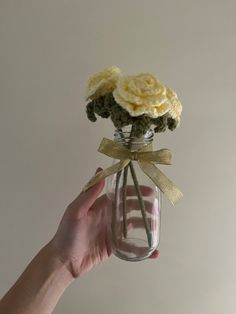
{"points": [[133, 250]]}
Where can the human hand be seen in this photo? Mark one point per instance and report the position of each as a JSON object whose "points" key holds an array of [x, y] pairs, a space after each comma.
{"points": [[82, 239]]}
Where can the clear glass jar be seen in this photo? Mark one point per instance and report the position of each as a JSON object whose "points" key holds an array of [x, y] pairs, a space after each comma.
{"points": [[134, 214]]}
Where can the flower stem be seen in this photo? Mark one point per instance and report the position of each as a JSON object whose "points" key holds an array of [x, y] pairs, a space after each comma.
{"points": [[114, 207], [141, 202], [142, 205], [139, 194], [124, 192], [124, 201]]}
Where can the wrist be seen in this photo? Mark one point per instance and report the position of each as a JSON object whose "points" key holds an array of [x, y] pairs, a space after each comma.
{"points": [[40, 286], [59, 268]]}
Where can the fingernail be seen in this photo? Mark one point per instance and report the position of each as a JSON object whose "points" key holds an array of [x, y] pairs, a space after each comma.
{"points": [[98, 169]]}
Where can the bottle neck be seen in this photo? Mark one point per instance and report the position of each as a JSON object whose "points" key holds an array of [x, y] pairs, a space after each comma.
{"points": [[124, 136]]}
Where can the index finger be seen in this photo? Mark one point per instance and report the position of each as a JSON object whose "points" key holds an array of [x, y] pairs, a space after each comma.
{"points": [[144, 189]]}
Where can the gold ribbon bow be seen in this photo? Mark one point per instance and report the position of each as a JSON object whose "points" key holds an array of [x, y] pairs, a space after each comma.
{"points": [[146, 158]]}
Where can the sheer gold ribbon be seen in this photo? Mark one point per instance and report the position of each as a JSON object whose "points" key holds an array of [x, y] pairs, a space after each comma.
{"points": [[146, 158]]}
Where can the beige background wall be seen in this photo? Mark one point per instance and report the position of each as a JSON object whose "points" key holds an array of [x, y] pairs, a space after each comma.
{"points": [[48, 49]]}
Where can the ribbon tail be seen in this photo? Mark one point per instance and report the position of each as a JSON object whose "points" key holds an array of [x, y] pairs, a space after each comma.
{"points": [[105, 173], [161, 181]]}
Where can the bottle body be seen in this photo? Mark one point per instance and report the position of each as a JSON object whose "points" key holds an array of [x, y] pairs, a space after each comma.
{"points": [[134, 213]]}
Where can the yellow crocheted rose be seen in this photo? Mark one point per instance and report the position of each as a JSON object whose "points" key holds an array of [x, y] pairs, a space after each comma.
{"points": [[176, 107], [142, 94], [102, 82]]}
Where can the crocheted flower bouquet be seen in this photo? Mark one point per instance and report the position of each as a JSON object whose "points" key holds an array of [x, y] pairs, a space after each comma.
{"points": [[135, 104]]}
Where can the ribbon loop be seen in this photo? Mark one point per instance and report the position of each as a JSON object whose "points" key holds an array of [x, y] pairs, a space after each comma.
{"points": [[146, 159]]}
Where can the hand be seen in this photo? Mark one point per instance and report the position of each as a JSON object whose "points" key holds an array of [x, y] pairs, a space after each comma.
{"points": [[82, 241]]}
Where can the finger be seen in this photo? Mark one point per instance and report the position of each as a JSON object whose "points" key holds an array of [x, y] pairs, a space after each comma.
{"points": [[131, 191], [134, 204], [131, 204], [135, 223], [144, 189], [85, 199], [154, 255]]}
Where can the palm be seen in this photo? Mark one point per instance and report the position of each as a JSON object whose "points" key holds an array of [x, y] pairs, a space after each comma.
{"points": [[84, 241], [93, 245]]}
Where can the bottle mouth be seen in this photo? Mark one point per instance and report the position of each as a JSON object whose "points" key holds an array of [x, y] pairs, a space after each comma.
{"points": [[124, 136]]}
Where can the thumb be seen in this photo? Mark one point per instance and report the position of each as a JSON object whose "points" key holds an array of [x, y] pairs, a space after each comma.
{"points": [[86, 199]]}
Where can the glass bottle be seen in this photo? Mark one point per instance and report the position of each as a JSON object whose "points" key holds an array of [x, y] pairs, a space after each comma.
{"points": [[135, 204]]}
